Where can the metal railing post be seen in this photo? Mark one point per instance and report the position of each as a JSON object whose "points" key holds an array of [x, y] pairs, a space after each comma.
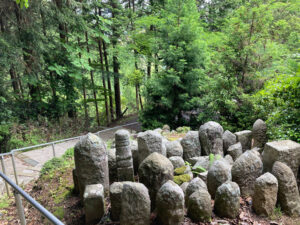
{"points": [[20, 207], [53, 150], [4, 171], [14, 166]]}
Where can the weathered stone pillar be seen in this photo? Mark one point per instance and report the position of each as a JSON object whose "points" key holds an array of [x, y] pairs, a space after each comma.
{"points": [[91, 162], [94, 205], [124, 156]]}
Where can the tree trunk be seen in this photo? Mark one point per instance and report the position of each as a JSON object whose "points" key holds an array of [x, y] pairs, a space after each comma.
{"points": [[137, 97], [117, 87], [92, 79], [86, 114], [116, 64], [103, 80], [140, 97], [68, 81], [111, 103], [14, 81], [149, 68]]}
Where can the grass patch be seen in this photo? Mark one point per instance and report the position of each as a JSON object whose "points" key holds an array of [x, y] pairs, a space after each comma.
{"points": [[277, 213], [59, 212], [57, 163], [4, 201]]}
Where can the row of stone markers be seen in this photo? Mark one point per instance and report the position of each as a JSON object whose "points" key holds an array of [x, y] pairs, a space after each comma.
{"points": [[245, 165]]}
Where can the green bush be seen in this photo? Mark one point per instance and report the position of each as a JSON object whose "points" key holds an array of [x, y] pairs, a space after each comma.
{"points": [[278, 103]]}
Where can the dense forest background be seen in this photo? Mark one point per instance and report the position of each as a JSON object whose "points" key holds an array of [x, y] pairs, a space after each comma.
{"points": [[73, 65]]}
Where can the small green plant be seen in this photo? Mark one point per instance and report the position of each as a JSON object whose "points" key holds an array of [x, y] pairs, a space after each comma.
{"points": [[59, 212], [183, 129], [213, 158], [277, 213], [195, 170], [51, 165], [109, 143], [4, 201], [69, 154]]}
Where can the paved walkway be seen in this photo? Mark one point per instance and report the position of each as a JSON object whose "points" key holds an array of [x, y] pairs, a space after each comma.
{"points": [[30, 163]]}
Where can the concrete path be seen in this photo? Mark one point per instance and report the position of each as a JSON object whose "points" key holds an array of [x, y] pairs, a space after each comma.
{"points": [[30, 163]]}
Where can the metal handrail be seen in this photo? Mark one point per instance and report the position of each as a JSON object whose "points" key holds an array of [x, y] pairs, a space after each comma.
{"points": [[38, 206], [11, 153], [19, 191]]}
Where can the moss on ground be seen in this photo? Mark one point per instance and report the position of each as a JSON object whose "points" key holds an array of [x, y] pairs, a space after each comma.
{"points": [[182, 178], [59, 212], [180, 170]]}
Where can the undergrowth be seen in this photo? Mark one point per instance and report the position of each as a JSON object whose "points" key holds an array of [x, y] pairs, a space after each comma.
{"points": [[57, 163]]}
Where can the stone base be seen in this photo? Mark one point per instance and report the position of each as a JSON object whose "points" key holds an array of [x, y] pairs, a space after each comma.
{"points": [[125, 174], [93, 200], [286, 151]]}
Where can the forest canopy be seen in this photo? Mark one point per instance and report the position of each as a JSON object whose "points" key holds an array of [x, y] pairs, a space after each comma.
{"points": [[176, 62]]}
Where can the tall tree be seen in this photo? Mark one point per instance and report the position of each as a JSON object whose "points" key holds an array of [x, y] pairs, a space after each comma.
{"points": [[174, 92]]}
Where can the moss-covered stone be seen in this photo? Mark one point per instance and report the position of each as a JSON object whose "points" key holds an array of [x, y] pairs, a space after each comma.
{"points": [[180, 170], [182, 178]]}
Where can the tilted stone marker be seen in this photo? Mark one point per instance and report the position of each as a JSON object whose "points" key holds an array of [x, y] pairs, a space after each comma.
{"points": [[91, 162], [149, 142], [202, 161], [177, 161], [154, 171], [94, 205], [245, 137], [259, 133], [191, 145], [288, 194], [124, 156], [227, 201], [112, 164], [170, 204], [115, 194], [245, 170], [229, 159], [174, 148], [265, 194], [195, 185], [210, 136], [136, 205], [199, 206], [285, 151], [235, 150], [135, 155], [218, 173], [228, 140]]}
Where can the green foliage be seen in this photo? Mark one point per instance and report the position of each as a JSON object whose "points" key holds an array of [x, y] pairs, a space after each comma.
{"points": [[5, 201], [213, 157], [198, 170], [277, 214], [174, 90], [180, 179], [56, 163], [279, 104], [184, 129], [23, 3]]}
